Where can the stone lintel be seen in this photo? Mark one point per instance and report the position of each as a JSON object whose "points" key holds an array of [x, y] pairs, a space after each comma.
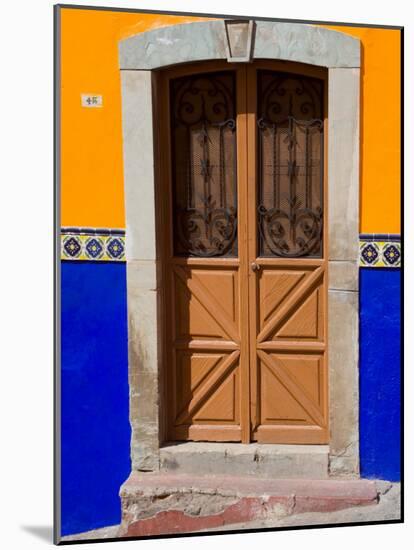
{"points": [[239, 40], [207, 40]]}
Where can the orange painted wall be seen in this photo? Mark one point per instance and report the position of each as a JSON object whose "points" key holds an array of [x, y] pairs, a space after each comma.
{"points": [[91, 144], [91, 153]]}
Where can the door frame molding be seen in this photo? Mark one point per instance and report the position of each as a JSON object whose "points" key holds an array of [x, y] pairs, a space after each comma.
{"points": [[140, 57]]}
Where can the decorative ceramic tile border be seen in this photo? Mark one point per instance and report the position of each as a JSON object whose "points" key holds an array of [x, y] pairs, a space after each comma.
{"points": [[379, 250], [78, 243]]}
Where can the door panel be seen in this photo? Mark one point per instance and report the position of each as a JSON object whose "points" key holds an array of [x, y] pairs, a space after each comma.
{"points": [[207, 387], [291, 304], [204, 353], [288, 284], [206, 302], [206, 347], [292, 397], [291, 404]]}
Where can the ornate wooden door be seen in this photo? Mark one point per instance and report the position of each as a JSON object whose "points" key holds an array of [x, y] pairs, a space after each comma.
{"points": [[288, 277], [245, 268]]}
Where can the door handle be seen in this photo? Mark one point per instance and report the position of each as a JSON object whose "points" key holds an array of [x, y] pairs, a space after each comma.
{"points": [[255, 266]]}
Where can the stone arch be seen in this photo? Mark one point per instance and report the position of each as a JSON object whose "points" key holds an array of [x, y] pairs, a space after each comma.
{"points": [[209, 40]]}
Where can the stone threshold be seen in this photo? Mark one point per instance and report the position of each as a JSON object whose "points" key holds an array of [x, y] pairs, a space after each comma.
{"points": [[260, 461], [165, 503]]}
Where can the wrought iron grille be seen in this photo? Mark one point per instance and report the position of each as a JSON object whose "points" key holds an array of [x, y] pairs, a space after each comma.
{"points": [[290, 130], [203, 132]]}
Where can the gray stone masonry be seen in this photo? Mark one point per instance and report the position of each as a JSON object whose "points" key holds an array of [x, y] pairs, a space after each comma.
{"points": [[203, 41], [388, 508], [262, 461]]}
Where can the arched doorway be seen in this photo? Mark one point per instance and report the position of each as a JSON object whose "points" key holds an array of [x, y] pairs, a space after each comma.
{"points": [[245, 252], [143, 59]]}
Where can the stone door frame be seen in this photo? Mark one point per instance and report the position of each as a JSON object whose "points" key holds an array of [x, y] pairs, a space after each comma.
{"points": [[140, 57]]}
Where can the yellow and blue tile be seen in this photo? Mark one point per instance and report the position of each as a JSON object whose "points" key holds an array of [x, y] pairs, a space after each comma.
{"points": [[380, 251], [93, 244], [109, 245]]}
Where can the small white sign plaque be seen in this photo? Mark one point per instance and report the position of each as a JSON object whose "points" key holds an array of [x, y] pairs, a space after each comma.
{"points": [[91, 100]]}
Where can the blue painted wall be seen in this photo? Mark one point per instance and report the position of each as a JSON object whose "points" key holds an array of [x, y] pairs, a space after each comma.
{"points": [[380, 373], [95, 424]]}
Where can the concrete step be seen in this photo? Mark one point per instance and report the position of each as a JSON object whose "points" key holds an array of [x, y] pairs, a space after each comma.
{"points": [[261, 461], [163, 503]]}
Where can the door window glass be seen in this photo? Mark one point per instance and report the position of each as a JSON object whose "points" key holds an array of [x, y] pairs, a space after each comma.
{"points": [[203, 128], [290, 147]]}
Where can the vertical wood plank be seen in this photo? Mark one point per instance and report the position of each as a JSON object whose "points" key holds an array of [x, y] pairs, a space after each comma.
{"points": [[243, 199], [253, 276], [325, 251]]}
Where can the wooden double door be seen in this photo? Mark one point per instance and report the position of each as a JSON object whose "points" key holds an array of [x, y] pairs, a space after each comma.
{"points": [[245, 270]]}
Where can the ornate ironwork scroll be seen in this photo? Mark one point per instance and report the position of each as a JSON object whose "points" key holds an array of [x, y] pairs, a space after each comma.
{"points": [[203, 131], [290, 129]]}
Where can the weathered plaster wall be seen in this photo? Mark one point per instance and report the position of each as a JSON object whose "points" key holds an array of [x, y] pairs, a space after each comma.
{"points": [[95, 426], [380, 383], [92, 169]]}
